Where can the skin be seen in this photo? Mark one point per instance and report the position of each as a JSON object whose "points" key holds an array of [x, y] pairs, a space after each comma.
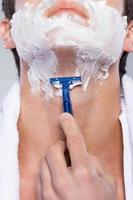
{"points": [[96, 172]]}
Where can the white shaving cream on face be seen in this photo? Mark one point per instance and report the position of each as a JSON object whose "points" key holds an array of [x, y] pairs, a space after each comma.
{"points": [[95, 44]]}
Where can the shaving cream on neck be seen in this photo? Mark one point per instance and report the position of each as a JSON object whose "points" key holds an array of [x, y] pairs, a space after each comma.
{"points": [[94, 45]]}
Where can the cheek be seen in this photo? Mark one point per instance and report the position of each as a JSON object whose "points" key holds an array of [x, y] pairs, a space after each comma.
{"points": [[35, 2], [117, 4], [20, 3]]}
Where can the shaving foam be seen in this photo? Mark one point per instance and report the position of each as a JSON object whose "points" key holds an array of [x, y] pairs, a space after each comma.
{"points": [[93, 45]]}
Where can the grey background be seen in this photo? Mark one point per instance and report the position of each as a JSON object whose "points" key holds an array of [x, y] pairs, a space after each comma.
{"points": [[8, 71]]}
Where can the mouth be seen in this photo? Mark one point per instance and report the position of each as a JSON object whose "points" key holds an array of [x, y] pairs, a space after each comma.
{"points": [[64, 7]]}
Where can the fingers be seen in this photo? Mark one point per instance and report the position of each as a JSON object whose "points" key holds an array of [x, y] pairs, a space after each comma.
{"points": [[54, 172], [56, 160], [39, 189], [75, 141], [45, 186]]}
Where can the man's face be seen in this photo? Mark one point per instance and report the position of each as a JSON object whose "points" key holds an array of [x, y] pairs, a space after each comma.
{"points": [[82, 29]]}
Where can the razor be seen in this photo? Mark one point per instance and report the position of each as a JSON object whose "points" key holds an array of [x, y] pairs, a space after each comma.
{"points": [[66, 84]]}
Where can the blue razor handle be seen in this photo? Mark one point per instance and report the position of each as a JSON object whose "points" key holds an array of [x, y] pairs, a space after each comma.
{"points": [[67, 104], [65, 83]]}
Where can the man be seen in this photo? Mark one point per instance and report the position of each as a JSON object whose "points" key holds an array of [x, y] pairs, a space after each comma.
{"points": [[99, 136]]}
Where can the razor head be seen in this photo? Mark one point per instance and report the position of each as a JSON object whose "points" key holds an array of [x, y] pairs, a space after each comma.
{"points": [[71, 82]]}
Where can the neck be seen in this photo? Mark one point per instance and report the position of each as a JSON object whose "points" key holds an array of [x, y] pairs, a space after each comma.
{"points": [[96, 115]]}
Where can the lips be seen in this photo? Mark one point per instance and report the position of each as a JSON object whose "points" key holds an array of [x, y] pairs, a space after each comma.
{"points": [[72, 7]]}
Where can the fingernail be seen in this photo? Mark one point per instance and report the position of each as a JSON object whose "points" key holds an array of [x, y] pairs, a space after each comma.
{"points": [[65, 116]]}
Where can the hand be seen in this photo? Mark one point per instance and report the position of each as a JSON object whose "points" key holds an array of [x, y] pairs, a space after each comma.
{"points": [[86, 179]]}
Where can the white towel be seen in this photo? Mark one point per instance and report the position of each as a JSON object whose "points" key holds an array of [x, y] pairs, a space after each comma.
{"points": [[9, 167], [9, 140], [127, 118]]}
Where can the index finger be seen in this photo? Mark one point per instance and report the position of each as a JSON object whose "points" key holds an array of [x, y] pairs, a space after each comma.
{"points": [[75, 140]]}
